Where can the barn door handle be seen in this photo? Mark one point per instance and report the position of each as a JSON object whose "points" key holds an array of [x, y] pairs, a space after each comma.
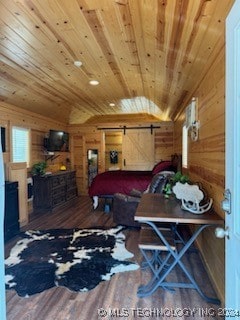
{"points": [[124, 162]]}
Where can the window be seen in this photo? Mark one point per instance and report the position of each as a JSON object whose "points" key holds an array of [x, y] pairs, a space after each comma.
{"points": [[185, 146], [20, 145]]}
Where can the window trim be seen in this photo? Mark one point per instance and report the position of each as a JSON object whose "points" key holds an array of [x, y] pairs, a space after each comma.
{"points": [[28, 130], [185, 145]]}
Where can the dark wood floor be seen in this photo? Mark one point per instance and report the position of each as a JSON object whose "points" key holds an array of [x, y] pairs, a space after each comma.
{"points": [[117, 295]]}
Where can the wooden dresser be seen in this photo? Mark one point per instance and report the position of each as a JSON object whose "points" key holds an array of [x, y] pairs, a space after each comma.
{"points": [[54, 190]]}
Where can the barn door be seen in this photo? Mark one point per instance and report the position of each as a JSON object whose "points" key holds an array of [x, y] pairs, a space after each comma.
{"points": [[138, 149]]}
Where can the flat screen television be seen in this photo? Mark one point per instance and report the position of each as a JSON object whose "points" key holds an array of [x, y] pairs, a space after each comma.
{"points": [[57, 141]]}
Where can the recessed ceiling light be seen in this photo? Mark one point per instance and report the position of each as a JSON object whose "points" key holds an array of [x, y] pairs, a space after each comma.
{"points": [[111, 104], [78, 63], [94, 82]]}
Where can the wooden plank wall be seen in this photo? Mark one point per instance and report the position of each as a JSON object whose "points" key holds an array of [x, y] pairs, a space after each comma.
{"points": [[163, 138], [88, 136], [207, 155], [84, 138], [39, 126], [164, 142]]}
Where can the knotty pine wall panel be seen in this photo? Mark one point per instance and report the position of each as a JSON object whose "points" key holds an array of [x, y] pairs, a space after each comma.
{"points": [[88, 136], [207, 156], [78, 155], [84, 138], [39, 126], [164, 142]]}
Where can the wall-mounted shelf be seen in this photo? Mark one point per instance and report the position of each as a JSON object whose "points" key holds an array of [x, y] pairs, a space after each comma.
{"points": [[50, 155]]}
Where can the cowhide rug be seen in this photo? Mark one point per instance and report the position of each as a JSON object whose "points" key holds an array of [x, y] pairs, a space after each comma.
{"points": [[75, 258]]}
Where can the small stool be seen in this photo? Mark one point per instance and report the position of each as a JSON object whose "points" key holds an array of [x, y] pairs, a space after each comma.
{"points": [[150, 242]]}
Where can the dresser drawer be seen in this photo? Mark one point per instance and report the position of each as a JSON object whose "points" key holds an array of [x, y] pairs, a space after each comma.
{"points": [[71, 185], [71, 176], [58, 191], [58, 181], [53, 191], [72, 193], [57, 200], [71, 180]]}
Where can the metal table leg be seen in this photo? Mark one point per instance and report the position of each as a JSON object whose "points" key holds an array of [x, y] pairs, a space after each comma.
{"points": [[159, 280]]}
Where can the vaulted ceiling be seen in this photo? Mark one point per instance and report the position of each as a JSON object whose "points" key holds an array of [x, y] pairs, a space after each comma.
{"points": [[147, 55]]}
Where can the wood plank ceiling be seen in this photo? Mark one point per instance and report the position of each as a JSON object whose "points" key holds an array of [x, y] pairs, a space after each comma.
{"points": [[148, 55]]}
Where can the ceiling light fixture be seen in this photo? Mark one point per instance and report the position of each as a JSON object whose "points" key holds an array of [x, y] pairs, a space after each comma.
{"points": [[78, 63], [111, 104], [94, 82]]}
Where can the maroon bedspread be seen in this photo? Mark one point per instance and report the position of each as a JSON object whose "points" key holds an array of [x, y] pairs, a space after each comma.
{"points": [[123, 181]]}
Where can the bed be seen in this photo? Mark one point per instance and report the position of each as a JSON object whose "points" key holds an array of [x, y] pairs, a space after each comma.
{"points": [[106, 184]]}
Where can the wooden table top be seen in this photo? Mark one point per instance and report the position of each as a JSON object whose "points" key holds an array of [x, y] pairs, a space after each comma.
{"points": [[156, 208]]}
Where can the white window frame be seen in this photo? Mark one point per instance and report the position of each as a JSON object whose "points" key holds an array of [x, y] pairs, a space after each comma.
{"points": [[20, 145], [184, 146]]}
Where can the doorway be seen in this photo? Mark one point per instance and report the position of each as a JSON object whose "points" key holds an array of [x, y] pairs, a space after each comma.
{"points": [[92, 157]]}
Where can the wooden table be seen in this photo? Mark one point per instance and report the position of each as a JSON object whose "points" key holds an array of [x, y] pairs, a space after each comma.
{"points": [[155, 208]]}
